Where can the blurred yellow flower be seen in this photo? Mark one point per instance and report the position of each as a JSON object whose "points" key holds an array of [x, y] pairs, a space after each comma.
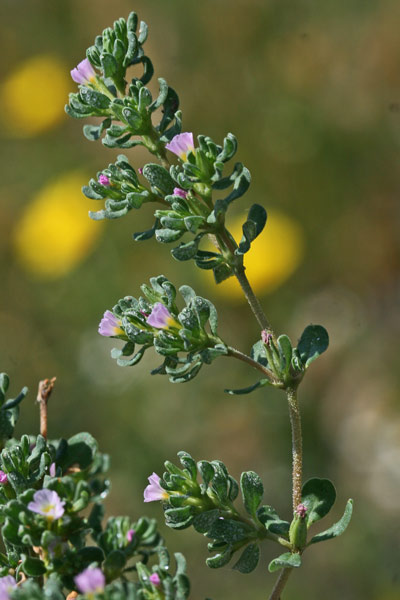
{"points": [[55, 232], [273, 256], [33, 96]]}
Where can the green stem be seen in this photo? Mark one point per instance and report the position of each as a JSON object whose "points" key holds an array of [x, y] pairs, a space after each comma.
{"points": [[280, 584], [253, 301], [251, 298], [253, 363], [297, 449]]}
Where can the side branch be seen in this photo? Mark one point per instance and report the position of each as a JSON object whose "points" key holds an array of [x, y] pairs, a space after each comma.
{"points": [[253, 363]]}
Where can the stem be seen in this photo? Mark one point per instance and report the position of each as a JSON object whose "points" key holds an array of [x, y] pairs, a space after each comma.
{"points": [[297, 450], [253, 301], [45, 388], [280, 584], [253, 363]]}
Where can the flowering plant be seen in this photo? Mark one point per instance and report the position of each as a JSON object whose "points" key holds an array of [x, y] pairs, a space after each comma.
{"points": [[45, 485]]}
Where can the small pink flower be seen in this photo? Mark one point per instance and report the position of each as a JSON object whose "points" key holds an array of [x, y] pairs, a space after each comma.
{"points": [[181, 144], [130, 535], [180, 192], [84, 72], [52, 470], [3, 478], [90, 581], [154, 491], [47, 503], [161, 318], [103, 180], [155, 579], [140, 171], [110, 325], [7, 584], [265, 336], [301, 510]]}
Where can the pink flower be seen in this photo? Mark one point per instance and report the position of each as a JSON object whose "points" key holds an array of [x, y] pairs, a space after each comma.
{"points": [[154, 491], [103, 179], [110, 325], [130, 535], [155, 579], [301, 510], [265, 336], [47, 503], [7, 584], [91, 580], [161, 318], [84, 72], [181, 144], [52, 470], [180, 192], [3, 478]]}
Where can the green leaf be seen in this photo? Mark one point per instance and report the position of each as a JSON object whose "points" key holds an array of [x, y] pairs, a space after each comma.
{"points": [[272, 521], [248, 560], [220, 560], [82, 449], [313, 342], [221, 272], [33, 567], [284, 561], [229, 531], [252, 228], [336, 529], [185, 251], [318, 495], [250, 388], [252, 491], [204, 521], [285, 352], [141, 236], [159, 178], [166, 236]]}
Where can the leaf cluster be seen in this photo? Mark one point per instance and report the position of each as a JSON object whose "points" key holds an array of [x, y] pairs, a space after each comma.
{"points": [[186, 344]]}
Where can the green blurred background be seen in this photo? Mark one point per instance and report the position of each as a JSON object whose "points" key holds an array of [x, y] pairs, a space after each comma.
{"points": [[312, 91]]}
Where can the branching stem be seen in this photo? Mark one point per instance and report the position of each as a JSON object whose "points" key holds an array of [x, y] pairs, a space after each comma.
{"points": [[253, 363]]}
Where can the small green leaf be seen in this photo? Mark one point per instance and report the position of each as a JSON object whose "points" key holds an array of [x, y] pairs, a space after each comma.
{"points": [[249, 389], [204, 521], [33, 567], [220, 560], [336, 529], [318, 495], [284, 561], [248, 560], [252, 228], [159, 178], [285, 352], [252, 491], [313, 342], [229, 531]]}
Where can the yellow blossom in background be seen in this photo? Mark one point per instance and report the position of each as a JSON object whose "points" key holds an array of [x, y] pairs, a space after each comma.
{"points": [[33, 96], [273, 256], [55, 233]]}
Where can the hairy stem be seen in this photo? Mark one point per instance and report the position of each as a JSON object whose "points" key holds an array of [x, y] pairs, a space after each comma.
{"points": [[253, 363], [297, 450], [280, 584]]}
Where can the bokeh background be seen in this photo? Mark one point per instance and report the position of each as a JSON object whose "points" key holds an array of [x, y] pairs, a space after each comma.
{"points": [[312, 90]]}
